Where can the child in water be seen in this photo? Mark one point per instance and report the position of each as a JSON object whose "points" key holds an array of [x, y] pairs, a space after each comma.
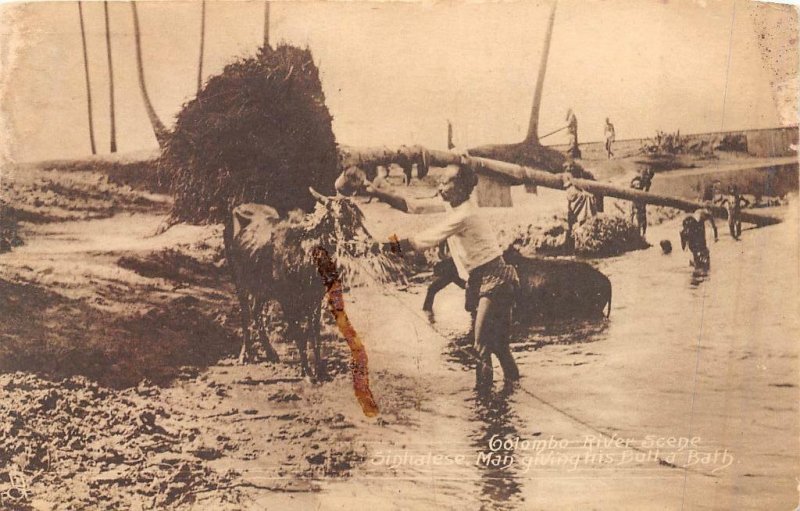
{"points": [[693, 235]]}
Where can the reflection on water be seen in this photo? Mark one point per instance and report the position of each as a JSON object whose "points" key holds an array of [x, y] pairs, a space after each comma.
{"points": [[526, 338], [698, 277], [494, 417]]}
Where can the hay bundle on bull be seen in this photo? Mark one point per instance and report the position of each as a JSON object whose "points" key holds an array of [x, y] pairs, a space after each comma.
{"points": [[245, 152]]}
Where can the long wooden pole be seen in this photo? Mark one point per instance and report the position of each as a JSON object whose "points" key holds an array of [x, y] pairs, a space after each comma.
{"points": [[526, 175], [513, 174]]}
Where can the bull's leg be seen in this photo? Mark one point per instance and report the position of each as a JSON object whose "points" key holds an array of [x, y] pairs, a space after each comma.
{"points": [[316, 342], [301, 341], [445, 272], [260, 321], [244, 306]]}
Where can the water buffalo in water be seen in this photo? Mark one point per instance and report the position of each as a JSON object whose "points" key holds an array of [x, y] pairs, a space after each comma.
{"points": [[549, 288]]}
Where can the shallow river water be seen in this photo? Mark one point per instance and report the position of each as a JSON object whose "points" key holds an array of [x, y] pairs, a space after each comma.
{"points": [[685, 398]]}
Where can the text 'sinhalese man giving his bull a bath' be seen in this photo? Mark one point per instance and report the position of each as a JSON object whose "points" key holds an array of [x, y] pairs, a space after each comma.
{"points": [[324, 255]]}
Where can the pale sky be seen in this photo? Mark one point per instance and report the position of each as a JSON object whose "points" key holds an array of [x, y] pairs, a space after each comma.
{"points": [[393, 73]]}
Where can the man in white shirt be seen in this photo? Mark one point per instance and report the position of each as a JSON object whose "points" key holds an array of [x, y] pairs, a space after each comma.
{"points": [[491, 283]]}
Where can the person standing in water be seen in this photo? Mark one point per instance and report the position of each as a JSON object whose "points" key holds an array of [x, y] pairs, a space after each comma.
{"points": [[733, 204], [639, 209], [693, 236], [491, 283]]}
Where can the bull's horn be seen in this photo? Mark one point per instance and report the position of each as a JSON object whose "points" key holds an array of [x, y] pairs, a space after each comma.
{"points": [[320, 198]]}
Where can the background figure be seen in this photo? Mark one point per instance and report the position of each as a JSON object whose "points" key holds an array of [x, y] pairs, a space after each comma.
{"points": [[573, 151], [610, 136], [704, 215], [693, 235], [646, 177], [733, 204], [639, 209], [581, 205]]}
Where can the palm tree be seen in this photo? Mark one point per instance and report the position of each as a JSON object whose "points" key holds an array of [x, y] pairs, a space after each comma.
{"points": [[532, 137], [159, 129], [88, 86], [530, 151], [266, 24], [202, 46], [110, 82]]}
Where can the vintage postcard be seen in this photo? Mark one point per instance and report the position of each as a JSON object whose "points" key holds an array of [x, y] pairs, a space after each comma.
{"points": [[523, 255]]}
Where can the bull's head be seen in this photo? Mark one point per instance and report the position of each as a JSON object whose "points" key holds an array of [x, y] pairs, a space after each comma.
{"points": [[337, 219], [337, 225]]}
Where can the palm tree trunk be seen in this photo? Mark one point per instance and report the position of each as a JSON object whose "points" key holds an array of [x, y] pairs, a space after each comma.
{"points": [[88, 86], [202, 46], [110, 82], [266, 24], [159, 129], [533, 126]]}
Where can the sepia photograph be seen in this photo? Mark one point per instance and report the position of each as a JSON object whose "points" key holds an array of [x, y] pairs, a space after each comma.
{"points": [[399, 255]]}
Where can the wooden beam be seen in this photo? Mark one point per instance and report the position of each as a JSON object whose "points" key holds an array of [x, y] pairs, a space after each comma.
{"points": [[512, 174]]}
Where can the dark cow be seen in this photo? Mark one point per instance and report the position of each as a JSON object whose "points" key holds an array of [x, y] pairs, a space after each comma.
{"points": [[553, 288], [268, 263], [550, 288], [274, 259]]}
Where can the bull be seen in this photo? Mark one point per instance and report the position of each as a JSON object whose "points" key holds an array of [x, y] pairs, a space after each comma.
{"points": [[266, 263], [272, 258], [549, 288]]}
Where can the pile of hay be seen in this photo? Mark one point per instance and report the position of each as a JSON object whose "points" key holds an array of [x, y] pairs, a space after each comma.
{"points": [[604, 236], [258, 132], [600, 236]]}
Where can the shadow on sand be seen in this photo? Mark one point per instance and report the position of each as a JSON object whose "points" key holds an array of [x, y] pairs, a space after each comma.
{"points": [[56, 337]]}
